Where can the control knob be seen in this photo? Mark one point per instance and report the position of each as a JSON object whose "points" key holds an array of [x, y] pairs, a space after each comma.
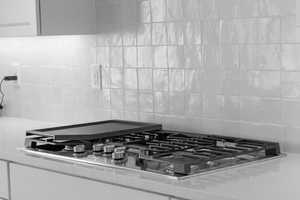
{"points": [[78, 149], [147, 137], [108, 149], [98, 147], [119, 153]]}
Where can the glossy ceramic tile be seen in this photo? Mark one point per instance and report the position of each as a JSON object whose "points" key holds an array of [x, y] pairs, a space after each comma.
{"points": [[228, 9], [292, 134], [193, 56], [160, 56], [260, 56], [290, 112], [247, 31], [175, 56], [116, 99], [175, 33], [158, 10], [131, 81], [145, 11], [144, 34], [259, 130], [194, 80], [228, 67], [160, 79], [211, 31], [176, 80], [161, 102], [288, 31], [159, 33], [146, 102], [290, 57], [116, 77], [195, 104], [129, 38], [176, 103], [131, 100], [145, 79], [255, 109], [261, 83], [145, 56], [268, 30], [290, 85], [190, 9], [174, 10], [130, 56], [116, 57]]}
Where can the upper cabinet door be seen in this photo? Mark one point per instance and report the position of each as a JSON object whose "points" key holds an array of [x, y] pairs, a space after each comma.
{"points": [[67, 17], [47, 17], [114, 16], [18, 18], [298, 12]]}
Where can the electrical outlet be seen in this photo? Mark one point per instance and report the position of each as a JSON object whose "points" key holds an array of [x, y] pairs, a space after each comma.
{"points": [[96, 76]]}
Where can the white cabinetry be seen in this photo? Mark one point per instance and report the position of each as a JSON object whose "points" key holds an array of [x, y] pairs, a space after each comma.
{"points": [[47, 17], [36, 184], [298, 12], [3, 180], [67, 17], [18, 17]]}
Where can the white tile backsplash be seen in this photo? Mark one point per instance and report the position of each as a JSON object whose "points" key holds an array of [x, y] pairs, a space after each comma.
{"points": [[158, 10], [160, 80], [161, 102], [145, 79], [266, 56], [131, 79], [227, 67]]}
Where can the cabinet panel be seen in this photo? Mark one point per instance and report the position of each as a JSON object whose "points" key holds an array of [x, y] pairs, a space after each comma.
{"points": [[298, 12], [36, 184], [3, 180], [63, 17], [118, 15], [18, 18]]}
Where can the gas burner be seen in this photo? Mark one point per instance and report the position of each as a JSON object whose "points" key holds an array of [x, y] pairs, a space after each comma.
{"points": [[146, 147]]}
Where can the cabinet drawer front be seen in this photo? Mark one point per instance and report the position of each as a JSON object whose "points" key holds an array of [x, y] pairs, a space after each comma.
{"points": [[3, 180], [36, 184]]}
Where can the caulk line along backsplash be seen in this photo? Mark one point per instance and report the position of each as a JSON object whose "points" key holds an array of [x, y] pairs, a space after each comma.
{"points": [[226, 67]]}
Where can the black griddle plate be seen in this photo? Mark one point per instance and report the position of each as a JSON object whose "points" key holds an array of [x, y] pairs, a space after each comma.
{"points": [[95, 130]]}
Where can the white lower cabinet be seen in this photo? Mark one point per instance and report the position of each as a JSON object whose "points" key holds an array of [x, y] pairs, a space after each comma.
{"points": [[3, 180], [37, 184]]}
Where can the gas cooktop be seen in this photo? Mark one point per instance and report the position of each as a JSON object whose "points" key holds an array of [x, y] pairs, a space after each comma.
{"points": [[146, 147]]}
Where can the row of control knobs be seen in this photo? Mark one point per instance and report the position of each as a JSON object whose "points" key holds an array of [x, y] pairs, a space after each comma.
{"points": [[117, 153]]}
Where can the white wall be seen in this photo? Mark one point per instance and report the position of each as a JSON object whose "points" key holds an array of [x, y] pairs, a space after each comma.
{"points": [[227, 67]]}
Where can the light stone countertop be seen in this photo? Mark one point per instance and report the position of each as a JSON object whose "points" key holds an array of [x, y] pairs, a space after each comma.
{"points": [[276, 179]]}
